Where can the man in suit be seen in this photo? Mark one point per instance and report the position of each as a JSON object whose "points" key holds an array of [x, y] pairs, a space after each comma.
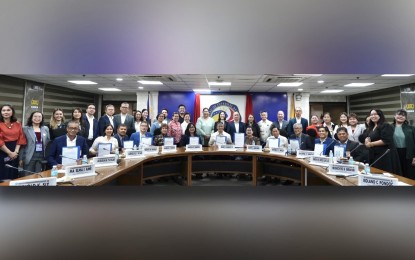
{"points": [[281, 124], [91, 125], [137, 136], [236, 126], [121, 136], [125, 118], [327, 142], [356, 150], [297, 119], [182, 112], [304, 140], [106, 119], [70, 139]]}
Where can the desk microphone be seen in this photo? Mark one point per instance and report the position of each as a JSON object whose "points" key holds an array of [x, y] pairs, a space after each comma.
{"points": [[22, 170], [355, 149], [63, 156], [385, 153]]}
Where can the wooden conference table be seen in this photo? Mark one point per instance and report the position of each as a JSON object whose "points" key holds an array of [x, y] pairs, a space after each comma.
{"points": [[182, 163]]}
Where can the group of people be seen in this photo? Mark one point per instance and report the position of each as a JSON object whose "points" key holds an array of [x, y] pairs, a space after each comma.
{"points": [[391, 147]]}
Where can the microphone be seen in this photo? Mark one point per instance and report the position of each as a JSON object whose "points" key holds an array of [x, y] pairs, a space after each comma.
{"points": [[63, 156], [22, 170], [355, 149], [385, 153]]}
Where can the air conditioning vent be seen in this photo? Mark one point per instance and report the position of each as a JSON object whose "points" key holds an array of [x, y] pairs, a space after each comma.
{"points": [[162, 78], [279, 79]]}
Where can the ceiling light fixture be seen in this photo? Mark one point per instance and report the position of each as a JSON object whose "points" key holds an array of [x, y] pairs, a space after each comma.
{"points": [[357, 85], [332, 91], [150, 82], [290, 84], [118, 79], [223, 83], [397, 75], [300, 89], [109, 89], [320, 81], [82, 82], [202, 91], [140, 87]]}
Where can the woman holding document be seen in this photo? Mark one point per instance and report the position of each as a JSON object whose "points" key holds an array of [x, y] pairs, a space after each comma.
{"points": [[107, 138]]}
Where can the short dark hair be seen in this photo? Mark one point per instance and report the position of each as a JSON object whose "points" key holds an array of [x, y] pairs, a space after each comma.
{"points": [[30, 119], [342, 128], [181, 105], [326, 129], [121, 125]]}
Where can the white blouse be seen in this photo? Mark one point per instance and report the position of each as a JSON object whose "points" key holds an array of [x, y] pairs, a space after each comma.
{"points": [[103, 139]]}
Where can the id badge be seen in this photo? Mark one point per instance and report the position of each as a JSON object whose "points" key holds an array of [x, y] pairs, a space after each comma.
{"points": [[39, 147]]}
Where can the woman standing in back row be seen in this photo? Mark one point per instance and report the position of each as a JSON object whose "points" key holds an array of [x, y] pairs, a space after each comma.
{"points": [[378, 138]]}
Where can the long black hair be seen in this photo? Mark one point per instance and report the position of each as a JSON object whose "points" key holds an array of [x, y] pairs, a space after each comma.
{"points": [[13, 117], [30, 119]]}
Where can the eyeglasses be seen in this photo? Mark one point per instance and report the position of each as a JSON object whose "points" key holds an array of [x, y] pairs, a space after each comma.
{"points": [[73, 128]]}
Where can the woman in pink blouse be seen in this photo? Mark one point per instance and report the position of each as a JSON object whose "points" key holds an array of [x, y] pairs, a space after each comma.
{"points": [[175, 129]]}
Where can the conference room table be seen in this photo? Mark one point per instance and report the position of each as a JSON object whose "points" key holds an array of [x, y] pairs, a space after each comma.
{"points": [[211, 160]]}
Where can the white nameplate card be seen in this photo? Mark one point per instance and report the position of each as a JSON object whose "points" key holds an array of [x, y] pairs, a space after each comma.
{"points": [[194, 148], [320, 160], [146, 141], [132, 154], [343, 169], [318, 149], [109, 160], [79, 171], [151, 149], [254, 148], [193, 140], [168, 148], [226, 147], [70, 154], [294, 144], [301, 154], [168, 141], [50, 181], [372, 180], [278, 150], [239, 140], [338, 151], [104, 149], [128, 144]]}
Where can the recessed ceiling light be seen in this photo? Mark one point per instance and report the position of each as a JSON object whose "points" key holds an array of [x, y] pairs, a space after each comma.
{"points": [[300, 89], [308, 75], [332, 91], [150, 82], [397, 75], [202, 91], [290, 84], [224, 83], [118, 79], [358, 84], [140, 87], [109, 89], [320, 81], [82, 82]]}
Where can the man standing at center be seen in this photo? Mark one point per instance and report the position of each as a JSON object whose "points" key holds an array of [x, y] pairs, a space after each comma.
{"points": [[182, 112], [125, 118], [264, 127], [297, 119], [236, 126], [281, 124]]}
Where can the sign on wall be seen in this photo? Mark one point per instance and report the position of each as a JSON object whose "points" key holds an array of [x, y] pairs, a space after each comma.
{"points": [[33, 99]]}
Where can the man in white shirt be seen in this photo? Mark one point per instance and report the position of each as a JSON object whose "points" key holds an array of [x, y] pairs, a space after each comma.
{"points": [[281, 140], [125, 118], [220, 133], [91, 125], [264, 127]]}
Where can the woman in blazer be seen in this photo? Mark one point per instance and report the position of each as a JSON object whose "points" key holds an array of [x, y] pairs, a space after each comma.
{"points": [[37, 136]]}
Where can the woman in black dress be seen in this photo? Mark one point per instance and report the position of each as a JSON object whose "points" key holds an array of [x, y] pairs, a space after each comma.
{"points": [[378, 139]]}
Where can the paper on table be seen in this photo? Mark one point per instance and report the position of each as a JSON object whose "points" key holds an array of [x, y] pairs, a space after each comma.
{"points": [[70, 154], [239, 140]]}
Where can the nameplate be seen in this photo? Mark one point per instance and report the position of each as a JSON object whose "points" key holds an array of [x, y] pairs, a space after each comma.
{"points": [[132, 154], [304, 153], [364, 180], [194, 148], [278, 150], [343, 169], [50, 181], [254, 148], [320, 160], [226, 147], [168, 148], [109, 160], [151, 149], [79, 171]]}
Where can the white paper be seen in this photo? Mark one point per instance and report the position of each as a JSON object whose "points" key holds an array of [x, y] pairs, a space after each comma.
{"points": [[128, 144], [338, 151], [318, 149], [294, 144], [239, 140], [104, 149], [193, 140], [274, 143], [168, 141], [146, 141], [70, 154], [220, 140]]}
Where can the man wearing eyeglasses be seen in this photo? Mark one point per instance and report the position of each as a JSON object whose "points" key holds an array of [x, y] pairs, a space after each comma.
{"points": [[125, 118], [70, 139]]}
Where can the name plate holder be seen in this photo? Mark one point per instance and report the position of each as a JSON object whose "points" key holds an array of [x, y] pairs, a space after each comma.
{"points": [[79, 171], [301, 154], [109, 160], [226, 147], [254, 148], [343, 169], [278, 150], [151, 149], [320, 160], [168, 148], [49, 181], [194, 148], [373, 180], [133, 154]]}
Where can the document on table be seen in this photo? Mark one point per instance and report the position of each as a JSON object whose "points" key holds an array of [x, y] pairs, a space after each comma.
{"points": [[239, 140], [104, 149], [70, 154]]}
